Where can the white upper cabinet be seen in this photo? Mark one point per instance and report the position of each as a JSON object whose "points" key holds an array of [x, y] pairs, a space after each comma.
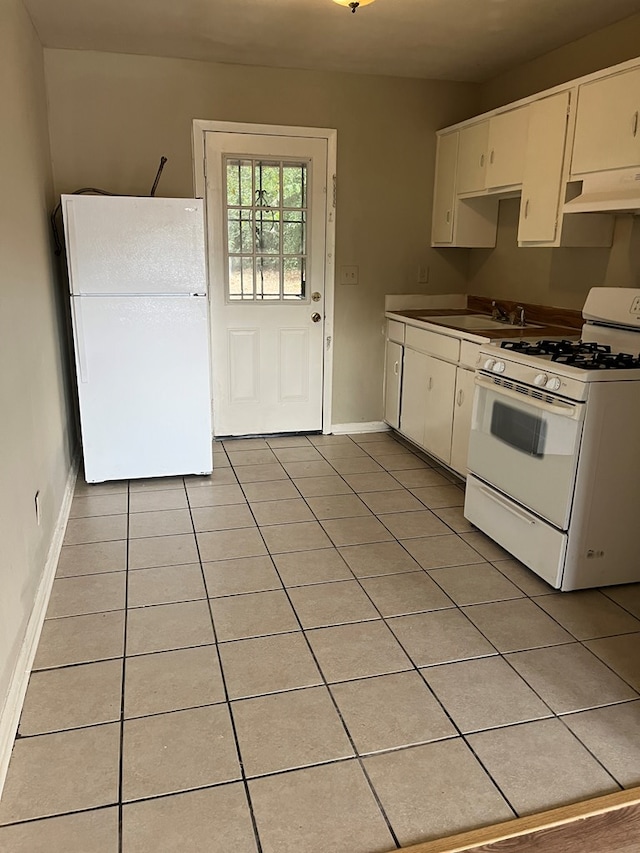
{"points": [[607, 134], [506, 149], [542, 179], [472, 157], [444, 191]]}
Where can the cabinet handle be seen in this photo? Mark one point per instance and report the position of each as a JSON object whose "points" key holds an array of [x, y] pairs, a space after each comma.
{"points": [[526, 209], [430, 383], [460, 397], [635, 123], [395, 368], [481, 160], [448, 216], [491, 156]]}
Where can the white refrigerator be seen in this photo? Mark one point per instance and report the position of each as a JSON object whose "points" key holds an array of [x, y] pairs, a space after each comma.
{"points": [[138, 285]]}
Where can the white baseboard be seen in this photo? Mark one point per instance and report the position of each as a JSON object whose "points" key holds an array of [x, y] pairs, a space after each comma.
{"points": [[18, 687], [370, 426]]}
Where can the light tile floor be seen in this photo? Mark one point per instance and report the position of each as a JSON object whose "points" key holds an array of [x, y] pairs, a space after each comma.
{"points": [[311, 650]]}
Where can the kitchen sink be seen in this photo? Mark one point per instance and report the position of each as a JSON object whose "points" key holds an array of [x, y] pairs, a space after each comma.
{"points": [[475, 321]]}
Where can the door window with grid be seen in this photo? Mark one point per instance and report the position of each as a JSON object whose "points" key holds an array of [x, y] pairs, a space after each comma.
{"points": [[266, 229]]}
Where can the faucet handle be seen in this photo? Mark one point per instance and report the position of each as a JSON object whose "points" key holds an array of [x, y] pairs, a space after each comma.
{"points": [[521, 319]]}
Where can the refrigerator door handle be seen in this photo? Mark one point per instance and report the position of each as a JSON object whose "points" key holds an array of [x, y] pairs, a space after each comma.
{"points": [[79, 335]]}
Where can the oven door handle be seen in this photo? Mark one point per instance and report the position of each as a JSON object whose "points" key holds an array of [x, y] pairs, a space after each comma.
{"points": [[556, 407], [519, 514]]}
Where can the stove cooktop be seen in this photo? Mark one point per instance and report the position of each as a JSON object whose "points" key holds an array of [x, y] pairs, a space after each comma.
{"points": [[581, 354]]}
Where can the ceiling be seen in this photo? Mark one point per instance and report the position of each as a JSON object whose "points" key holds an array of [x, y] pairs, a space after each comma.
{"points": [[469, 40]]}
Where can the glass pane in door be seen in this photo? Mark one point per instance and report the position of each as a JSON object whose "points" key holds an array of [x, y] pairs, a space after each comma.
{"points": [[266, 229]]}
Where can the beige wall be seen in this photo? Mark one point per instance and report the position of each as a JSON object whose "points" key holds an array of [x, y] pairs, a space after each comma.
{"points": [[112, 116], [34, 451], [605, 47], [559, 277]]}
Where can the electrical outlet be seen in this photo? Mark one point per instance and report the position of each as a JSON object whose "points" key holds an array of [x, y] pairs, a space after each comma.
{"points": [[36, 502], [348, 275], [423, 274]]}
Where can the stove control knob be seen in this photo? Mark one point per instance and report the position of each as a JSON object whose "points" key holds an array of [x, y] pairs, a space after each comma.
{"points": [[540, 380], [553, 384], [488, 365], [498, 367]]}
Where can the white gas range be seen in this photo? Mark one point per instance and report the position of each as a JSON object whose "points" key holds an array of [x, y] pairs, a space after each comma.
{"points": [[554, 451]]}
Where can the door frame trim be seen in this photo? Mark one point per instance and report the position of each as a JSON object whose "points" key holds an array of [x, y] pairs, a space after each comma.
{"points": [[202, 126]]}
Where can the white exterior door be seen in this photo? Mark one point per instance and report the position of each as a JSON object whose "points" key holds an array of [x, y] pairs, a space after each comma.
{"points": [[266, 198]]}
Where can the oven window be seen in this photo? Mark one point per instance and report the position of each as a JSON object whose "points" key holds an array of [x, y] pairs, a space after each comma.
{"points": [[520, 429]]}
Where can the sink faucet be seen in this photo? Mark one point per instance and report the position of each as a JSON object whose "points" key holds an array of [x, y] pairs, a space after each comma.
{"points": [[498, 313], [516, 318]]}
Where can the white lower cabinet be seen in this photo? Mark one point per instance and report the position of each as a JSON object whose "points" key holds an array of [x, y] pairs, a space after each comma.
{"points": [[462, 410], [428, 398], [413, 405], [428, 388], [441, 383], [393, 383]]}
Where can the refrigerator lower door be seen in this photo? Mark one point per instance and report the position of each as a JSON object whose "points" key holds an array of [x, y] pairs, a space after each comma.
{"points": [[143, 386]]}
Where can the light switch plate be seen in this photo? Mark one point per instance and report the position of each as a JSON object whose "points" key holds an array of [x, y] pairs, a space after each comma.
{"points": [[348, 275]]}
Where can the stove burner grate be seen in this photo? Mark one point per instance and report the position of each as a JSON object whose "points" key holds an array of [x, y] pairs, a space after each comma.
{"points": [[587, 355], [553, 348], [599, 360]]}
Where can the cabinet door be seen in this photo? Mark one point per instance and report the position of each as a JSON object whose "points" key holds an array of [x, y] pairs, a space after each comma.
{"points": [[414, 395], [472, 157], [462, 410], [392, 384], [542, 179], [444, 191], [441, 383], [607, 133], [507, 143]]}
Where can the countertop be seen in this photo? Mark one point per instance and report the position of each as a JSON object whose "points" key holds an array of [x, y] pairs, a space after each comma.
{"points": [[416, 317]]}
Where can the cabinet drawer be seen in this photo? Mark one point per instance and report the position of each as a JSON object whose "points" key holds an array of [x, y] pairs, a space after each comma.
{"points": [[395, 331], [469, 353], [534, 542], [433, 343]]}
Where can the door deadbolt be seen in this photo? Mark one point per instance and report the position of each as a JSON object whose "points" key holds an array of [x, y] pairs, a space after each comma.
{"points": [[316, 317], [316, 296]]}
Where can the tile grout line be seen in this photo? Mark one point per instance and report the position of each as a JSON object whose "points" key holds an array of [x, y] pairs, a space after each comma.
{"points": [[124, 667], [227, 702], [436, 697], [422, 676], [337, 709]]}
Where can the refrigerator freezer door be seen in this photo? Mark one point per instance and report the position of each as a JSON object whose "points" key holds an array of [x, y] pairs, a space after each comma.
{"points": [[118, 244], [143, 386]]}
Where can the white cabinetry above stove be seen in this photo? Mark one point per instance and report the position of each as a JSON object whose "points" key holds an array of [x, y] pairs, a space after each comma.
{"points": [[540, 148], [607, 127]]}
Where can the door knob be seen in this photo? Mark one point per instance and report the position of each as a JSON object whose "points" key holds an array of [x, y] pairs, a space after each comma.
{"points": [[316, 296], [316, 317]]}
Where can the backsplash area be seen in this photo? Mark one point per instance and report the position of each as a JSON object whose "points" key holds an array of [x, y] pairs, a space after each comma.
{"points": [[561, 277]]}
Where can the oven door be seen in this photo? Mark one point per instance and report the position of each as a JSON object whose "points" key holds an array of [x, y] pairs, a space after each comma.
{"points": [[525, 443]]}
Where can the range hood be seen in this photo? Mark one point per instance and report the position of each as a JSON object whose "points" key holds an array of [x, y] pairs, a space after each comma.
{"points": [[615, 192]]}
